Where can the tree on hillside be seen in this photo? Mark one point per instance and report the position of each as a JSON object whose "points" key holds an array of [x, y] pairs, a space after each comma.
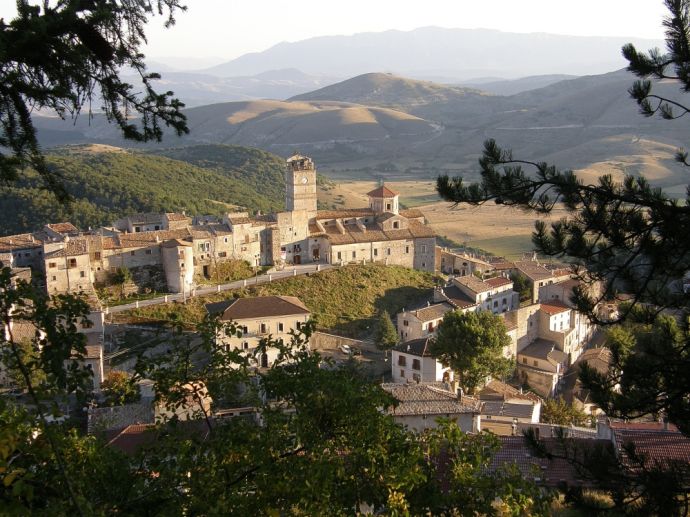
{"points": [[64, 57], [472, 344], [386, 336], [629, 235]]}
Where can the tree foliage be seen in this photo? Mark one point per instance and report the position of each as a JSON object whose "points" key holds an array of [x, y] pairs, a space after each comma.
{"points": [[640, 367], [66, 56], [559, 412], [105, 186], [324, 444], [386, 336], [119, 388], [630, 236], [472, 344]]}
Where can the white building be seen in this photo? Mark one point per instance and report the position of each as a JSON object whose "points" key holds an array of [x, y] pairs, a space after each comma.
{"points": [[412, 362], [258, 318]]}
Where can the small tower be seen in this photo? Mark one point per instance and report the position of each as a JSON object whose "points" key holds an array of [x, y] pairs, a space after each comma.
{"points": [[300, 183], [383, 200]]}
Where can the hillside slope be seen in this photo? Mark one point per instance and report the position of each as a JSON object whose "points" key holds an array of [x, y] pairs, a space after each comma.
{"points": [[346, 299], [107, 183], [377, 89]]}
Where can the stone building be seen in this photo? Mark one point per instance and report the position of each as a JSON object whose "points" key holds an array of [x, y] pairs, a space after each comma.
{"points": [[146, 244], [258, 318]]}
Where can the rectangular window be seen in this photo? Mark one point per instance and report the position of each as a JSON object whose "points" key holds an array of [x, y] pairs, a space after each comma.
{"points": [[396, 225], [132, 253], [54, 278], [72, 262], [405, 323], [245, 345], [388, 251], [402, 361], [222, 254], [148, 252], [354, 254], [407, 249], [417, 378], [97, 255], [263, 328], [245, 330], [82, 274], [536, 363], [402, 373], [423, 248], [299, 325], [388, 206], [156, 227], [280, 327], [524, 360], [376, 252], [495, 303], [52, 265], [416, 364], [340, 256]]}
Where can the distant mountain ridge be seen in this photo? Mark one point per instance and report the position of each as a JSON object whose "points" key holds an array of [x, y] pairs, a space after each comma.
{"points": [[199, 89], [378, 89], [419, 128], [458, 54]]}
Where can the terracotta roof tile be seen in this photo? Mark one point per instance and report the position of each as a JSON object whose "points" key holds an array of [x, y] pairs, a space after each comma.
{"points": [[427, 399], [64, 228], [434, 311], [344, 214], [411, 213], [72, 248], [662, 448], [18, 242], [418, 347], [498, 281], [257, 307], [382, 191], [457, 298], [141, 239], [554, 307], [174, 216]]}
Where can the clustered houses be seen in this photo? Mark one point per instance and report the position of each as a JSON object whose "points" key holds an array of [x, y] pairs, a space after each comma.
{"points": [[547, 336], [167, 251]]}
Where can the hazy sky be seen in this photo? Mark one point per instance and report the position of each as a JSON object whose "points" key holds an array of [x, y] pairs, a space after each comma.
{"points": [[225, 29]]}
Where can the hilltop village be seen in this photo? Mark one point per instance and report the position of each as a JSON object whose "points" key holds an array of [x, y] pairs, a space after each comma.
{"points": [[171, 253]]}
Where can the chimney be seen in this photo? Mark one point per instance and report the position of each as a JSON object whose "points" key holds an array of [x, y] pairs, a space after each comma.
{"points": [[460, 394]]}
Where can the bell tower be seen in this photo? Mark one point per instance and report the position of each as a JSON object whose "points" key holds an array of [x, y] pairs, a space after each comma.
{"points": [[300, 184]]}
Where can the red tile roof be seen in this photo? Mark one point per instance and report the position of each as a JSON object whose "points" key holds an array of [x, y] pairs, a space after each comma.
{"points": [[659, 448], [63, 228], [554, 307], [498, 281], [257, 307], [382, 191]]}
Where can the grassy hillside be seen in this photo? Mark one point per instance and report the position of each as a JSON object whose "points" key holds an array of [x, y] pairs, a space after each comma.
{"points": [[107, 183], [345, 300], [262, 171], [377, 89]]}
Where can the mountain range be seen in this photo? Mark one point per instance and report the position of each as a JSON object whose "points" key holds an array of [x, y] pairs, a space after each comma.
{"points": [[439, 54], [422, 127]]}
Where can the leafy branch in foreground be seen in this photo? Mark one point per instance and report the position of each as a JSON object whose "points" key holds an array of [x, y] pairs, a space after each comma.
{"points": [[65, 57]]}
